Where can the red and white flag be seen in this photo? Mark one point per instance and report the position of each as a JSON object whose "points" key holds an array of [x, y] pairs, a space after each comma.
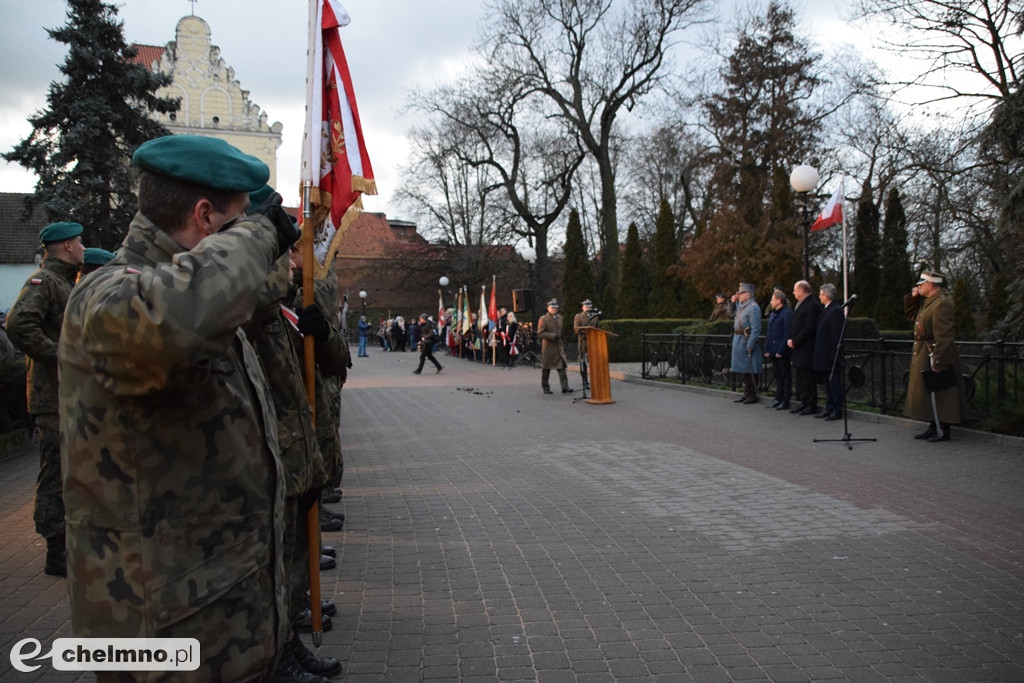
{"points": [[492, 307], [481, 316], [832, 214], [334, 157]]}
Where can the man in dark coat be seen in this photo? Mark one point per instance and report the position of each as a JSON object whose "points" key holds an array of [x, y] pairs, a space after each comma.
{"points": [[828, 337], [802, 329]]}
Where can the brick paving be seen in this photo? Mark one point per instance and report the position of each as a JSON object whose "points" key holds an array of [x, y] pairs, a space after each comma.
{"points": [[497, 534]]}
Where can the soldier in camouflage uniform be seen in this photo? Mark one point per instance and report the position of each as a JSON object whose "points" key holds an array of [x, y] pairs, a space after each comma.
{"points": [[33, 326], [172, 481]]}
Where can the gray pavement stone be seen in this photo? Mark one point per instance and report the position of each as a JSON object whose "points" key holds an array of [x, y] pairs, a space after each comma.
{"points": [[496, 534]]}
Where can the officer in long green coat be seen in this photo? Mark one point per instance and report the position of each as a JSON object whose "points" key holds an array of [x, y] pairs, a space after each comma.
{"points": [[172, 480], [33, 325], [934, 349]]}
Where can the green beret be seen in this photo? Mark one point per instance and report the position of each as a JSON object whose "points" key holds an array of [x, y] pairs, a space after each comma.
{"points": [[58, 232], [257, 197], [203, 160], [94, 256]]}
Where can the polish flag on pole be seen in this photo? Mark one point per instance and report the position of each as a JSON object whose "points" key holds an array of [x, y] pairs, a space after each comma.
{"points": [[334, 158], [832, 213]]}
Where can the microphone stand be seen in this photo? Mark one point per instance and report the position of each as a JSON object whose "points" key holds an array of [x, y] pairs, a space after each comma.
{"points": [[581, 340], [847, 439]]}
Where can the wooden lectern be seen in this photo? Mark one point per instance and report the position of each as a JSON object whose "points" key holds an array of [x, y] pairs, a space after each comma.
{"points": [[597, 359]]}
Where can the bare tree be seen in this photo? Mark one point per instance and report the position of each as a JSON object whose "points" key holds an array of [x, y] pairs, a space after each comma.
{"points": [[591, 61], [968, 50]]}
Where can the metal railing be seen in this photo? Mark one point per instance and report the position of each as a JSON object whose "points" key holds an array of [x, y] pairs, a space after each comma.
{"points": [[877, 371]]}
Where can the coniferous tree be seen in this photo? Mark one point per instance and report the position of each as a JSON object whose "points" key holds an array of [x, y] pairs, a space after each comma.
{"points": [[895, 277], [963, 323], [635, 287], [865, 252], [762, 121], [81, 143], [998, 301], [578, 280], [664, 299]]}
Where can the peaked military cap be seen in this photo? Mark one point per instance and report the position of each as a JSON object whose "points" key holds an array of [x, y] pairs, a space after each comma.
{"points": [[553, 303], [58, 232], [587, 302], [746, 287], [932, 276], [203, 160], [94, 256]]}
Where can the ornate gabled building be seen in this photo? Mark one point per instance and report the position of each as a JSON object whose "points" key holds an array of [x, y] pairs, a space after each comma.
{"points": [[212, 100]]}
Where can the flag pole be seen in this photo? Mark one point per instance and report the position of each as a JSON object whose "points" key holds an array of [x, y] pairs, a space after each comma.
{"points": [[310, 143], [846, 268]]}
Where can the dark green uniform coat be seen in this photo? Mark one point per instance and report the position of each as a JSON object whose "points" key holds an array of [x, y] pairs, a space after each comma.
{"points": [[933, 333]]}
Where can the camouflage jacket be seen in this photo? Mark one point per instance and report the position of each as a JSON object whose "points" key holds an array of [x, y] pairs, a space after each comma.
{"points": [[33, 326], [278, 344], [172, 483], [332, 360]]}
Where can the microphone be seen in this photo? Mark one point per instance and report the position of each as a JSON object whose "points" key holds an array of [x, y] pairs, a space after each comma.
{"points": [[849, 302]]}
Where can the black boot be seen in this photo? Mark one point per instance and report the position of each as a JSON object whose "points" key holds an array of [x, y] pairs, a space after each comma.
{"points": [[318, 666], [928, 433], [56, 556], [290, 671], [945, 434]]}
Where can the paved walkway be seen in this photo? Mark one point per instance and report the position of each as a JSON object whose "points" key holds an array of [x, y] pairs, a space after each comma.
{"points": [[497, 534]]}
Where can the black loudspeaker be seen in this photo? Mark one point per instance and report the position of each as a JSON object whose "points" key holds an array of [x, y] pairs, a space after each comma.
{"points": [[522, 300]]}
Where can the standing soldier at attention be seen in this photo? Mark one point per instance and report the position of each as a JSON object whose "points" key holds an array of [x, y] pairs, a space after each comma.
{"points": [[33, 325], [552, 350], [172, 480], [934, 350]]}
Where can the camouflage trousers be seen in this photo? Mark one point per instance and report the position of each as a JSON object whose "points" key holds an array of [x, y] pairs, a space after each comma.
{"points": [[49, 503], [239, 638], [296, 555]]}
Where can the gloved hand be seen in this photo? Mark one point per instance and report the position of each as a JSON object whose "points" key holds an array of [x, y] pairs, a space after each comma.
{"points": [[312, 321], [287, 232]]}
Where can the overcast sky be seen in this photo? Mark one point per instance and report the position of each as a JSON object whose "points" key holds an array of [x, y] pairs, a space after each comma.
{"points": [[391, 45]]}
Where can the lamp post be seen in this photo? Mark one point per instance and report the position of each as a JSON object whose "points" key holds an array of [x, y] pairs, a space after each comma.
{"points": [[804, 179], [529, 255], [362, 297]]}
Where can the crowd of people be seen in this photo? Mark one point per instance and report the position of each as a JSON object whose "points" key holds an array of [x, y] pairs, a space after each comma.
{"points": [[803, 344]]}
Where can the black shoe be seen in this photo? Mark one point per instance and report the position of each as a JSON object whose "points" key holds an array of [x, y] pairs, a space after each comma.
{"points": [[784, 406], [823, 413], [416, 372], [327, 562], [304, 624], [809, 410], [330, 496], [797, 409], [439, 369], [775, 404], [548, 391], [926, 434], [328, 608], [318, 666], [935, 438], [567, 391], [290, 671], [832, 417], [750, 400], [741, 399], [329, 551], [331, 524]]}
